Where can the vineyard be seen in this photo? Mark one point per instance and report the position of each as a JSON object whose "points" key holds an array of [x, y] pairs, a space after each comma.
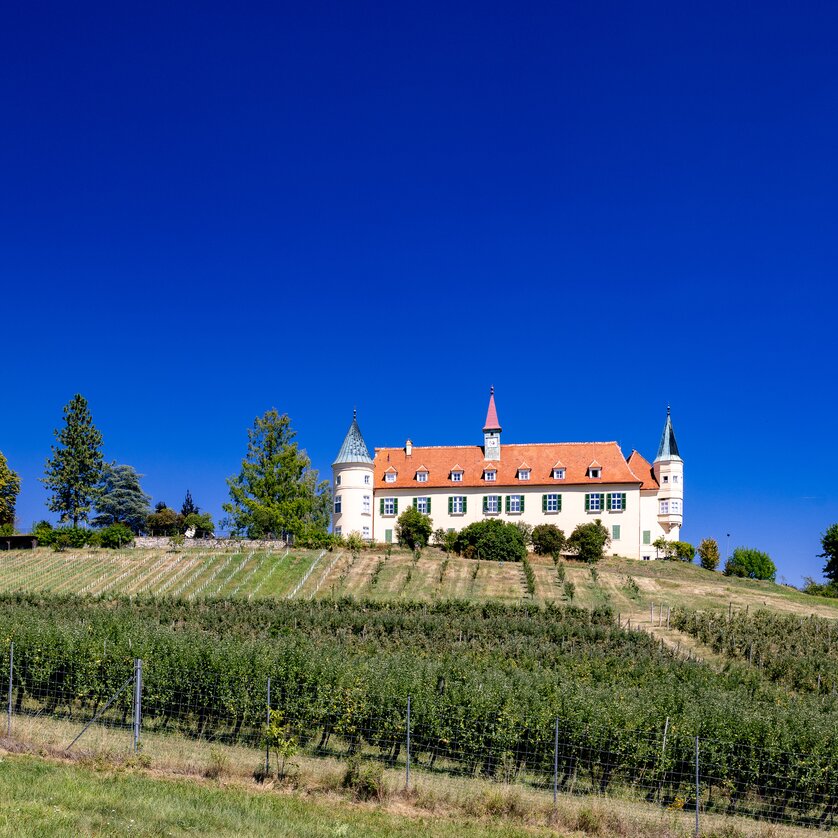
{"points": [[799, 652], [494, 690]]}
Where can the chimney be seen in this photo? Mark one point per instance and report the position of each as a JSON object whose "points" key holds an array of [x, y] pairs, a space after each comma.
{"points": [[408, 448]]}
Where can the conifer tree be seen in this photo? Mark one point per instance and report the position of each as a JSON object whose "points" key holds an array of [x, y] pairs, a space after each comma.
{"points": [[120, 499], [75, 469], [189, 507]]}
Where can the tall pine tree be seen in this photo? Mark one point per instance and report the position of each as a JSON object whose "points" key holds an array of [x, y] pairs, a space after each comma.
{"points": [[75, 469], [120, 498]]}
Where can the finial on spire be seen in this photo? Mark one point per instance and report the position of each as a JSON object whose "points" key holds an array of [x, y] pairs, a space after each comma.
{"points": [[492, 390], [354, 413], [667, 410]]}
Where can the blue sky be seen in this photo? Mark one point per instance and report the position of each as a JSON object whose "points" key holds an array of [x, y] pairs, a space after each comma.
{"points": [[207, 211]]}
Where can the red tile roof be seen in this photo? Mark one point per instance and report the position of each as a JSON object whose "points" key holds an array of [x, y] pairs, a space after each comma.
{"points": [[441, 460], [492, 423], [642, 468]]}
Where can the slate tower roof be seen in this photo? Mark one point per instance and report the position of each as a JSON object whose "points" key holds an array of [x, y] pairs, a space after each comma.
{"points": [[668, 448], [354, 449]]}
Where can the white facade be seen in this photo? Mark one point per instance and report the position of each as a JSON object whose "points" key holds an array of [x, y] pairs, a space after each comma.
{"points": [[565, 484]]}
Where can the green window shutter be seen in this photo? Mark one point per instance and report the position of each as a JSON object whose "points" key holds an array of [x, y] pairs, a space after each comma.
{"points": [[559, 507], [587, 503], [647, 536], [465, 504], [608, 501], [507, 503], [382, 506], [544, 503], [415, 503], [388, 536], [624, 501], [450, 505], [485, 504], [522, 503], [429, 506], [395, 506]]}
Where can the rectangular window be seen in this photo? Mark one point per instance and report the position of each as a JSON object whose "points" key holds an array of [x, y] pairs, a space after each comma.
{"points": [[616, 501], [491, 504], [593, 502], [388, 536], [615, 532], [389, 506], [421, 476], [647, 536], [594, 472], [523, 474], [456, 476], [675, 506], [337, 504], [514, 504], [337, 481], [366, 506], [551, 503], [674, 478], [558, 474], [664, 507], [490, 475], [366, 533], [337, 530], [457, 505], [366, 480], [422, 505], [390, 477]]}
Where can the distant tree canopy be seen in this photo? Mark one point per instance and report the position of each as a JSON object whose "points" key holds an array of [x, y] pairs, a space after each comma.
{"points": [[277, 492], [75, 469], [120, 500], [708, 553], [750, 564], [589, 541], [547, 540], [413, 528], [829, 542], [491, 540], [9, 490], [188, 507]]}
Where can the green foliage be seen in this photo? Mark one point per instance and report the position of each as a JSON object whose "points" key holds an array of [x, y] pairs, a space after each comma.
{"points": [[120, 499], [632, 588], [413, 528], [75, 469], [201, 523], [708, 553], [177, 540], [7, 529], [681, 551], [529, 576], [365, 779], [569, 590], [560, 571], [491, 540], [188, 507], [277, 492], [829, 542], [163, 521], [548, 540], [9, 490], [62, 538], [280, 739], [526, 532], [814, 588], [115, 536], [684, 551], [355, 542], [750, 564], [588, 541]]}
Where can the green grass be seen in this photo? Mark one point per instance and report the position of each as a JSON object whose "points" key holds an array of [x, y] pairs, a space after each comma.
{"points": [[43, 798]]}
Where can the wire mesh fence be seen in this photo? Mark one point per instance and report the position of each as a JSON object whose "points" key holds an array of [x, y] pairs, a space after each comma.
{"points": [[144, 701]]}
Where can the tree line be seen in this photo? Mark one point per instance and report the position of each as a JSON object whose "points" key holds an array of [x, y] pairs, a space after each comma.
{"points": [[275, 494]]}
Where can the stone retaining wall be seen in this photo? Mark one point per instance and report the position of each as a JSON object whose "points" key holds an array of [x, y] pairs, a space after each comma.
{"points": [[163, 542]]}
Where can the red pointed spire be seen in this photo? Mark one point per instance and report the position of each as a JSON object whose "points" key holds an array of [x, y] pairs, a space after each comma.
{"points": [[492, 422]]}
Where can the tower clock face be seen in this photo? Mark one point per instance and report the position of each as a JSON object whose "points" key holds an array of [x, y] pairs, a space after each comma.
{"points": [[492, 442]]}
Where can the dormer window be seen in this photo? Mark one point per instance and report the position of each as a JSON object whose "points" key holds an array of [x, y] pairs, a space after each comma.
{"points": [[558, 474], [390, 475], [595, 472], [490, 475], [456, 477], [523, 474], [421, 476]]}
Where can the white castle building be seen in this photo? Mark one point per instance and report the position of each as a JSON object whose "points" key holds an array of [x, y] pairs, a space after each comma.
{"points": [[562, 483]]}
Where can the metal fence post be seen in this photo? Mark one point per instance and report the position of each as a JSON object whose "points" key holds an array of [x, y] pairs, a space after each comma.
{"points": [[138, 698], [11, 671], [267, 740], [407, 762], [697, 788], [556, 766]]}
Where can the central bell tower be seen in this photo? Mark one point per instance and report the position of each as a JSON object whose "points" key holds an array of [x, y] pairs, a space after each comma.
{"points": [[491, 431]]}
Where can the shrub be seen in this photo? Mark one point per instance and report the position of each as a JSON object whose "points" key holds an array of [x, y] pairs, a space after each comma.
{"points": [[116, 536], [529, 576], [354, 542], [750, 564], [816, 589], [365, 779], [569, 590], [414, 528], [280, 740], [202, 524], [526, 532], [7, 529], [548, 540], [708, 553], [684, 550], [492, 540], [589, 541]]}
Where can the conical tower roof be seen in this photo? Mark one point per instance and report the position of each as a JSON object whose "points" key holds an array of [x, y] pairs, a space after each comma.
{"points": [[354, 449], [668, 448], [492, 422]]}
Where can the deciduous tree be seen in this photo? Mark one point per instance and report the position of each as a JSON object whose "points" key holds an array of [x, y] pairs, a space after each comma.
{"points": [[589, 541], [750, 564], [708, 553], [414, 528], [9, 490], [75, 469], [829, 542]]}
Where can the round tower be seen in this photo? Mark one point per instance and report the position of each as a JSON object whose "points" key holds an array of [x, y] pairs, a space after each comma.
{"points": [[669, 472], [352, 483]]}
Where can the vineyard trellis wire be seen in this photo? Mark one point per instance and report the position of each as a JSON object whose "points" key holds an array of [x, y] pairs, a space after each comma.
{"points": [[671, 768]]}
